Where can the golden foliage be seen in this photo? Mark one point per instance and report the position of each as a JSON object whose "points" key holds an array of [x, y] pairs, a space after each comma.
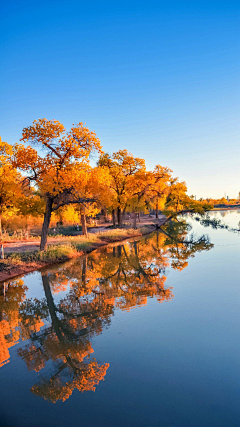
{"points": [[10, 182]]}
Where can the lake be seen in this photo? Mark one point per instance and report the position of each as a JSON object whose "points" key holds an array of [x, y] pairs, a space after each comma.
{"points": [[143, 334]]}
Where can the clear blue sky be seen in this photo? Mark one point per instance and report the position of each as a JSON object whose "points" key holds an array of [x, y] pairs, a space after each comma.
{"points": [[160, 79]]}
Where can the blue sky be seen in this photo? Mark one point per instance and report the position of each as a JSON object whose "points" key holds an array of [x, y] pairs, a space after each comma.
{"points": [[160, 79]]}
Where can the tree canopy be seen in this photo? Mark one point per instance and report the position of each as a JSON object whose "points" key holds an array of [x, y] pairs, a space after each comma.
{"points": [[60, 166], [50, 169]]}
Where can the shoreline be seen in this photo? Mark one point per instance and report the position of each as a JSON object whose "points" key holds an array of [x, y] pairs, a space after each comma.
{"points": [[24, 268], [225, 208]]}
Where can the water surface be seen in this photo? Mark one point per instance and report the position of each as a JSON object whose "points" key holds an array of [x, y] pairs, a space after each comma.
{"points": [[145, 333]]}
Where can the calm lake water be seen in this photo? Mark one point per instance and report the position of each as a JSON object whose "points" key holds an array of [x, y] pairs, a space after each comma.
{"points": [[142, 334]]}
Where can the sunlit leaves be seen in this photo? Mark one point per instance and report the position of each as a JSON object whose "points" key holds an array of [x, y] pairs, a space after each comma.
{"points": [[57, 163], [10, 182]]}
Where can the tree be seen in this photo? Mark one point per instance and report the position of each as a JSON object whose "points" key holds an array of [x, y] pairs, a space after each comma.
{"points": [[146, 188], [12, 324], [60, 167], [122, 166], [10, 183], [95, 185], [66, 342], [181, 245], [178, 202], [160, 187]]}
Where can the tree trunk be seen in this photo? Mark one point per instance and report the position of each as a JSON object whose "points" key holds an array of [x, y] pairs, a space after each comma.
{"points": [[113, 218], [119, 216], [84, 224], [2, 252], [105, 215], [134, 220], [51, 306], [3, 290], [119, 251], [46, 222], [138, 216], [157, 209], [28, 231], [135, 248], [1, 226], [84, 270]]}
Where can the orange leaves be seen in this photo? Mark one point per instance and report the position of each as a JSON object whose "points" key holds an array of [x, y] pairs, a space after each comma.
{"points": [[10, 181], [32, 357], [122, 166], [5, 152], [131, 185], [24, 157], [63, 175], [88, 377], [178, 200], [77, 143], [81, 141], [42, 131], [4, 345]]}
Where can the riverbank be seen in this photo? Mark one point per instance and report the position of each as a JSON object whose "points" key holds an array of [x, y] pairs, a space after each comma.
{"points": [[22, 261], [223, 207]]}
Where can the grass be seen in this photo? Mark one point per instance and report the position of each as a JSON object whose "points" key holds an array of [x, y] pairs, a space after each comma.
{"points": [[51, 255], [8, 237], [64, 231], [118, 234]]}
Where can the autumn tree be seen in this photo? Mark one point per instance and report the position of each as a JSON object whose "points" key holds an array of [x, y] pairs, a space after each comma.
{"points": [[178, 202], [148, 187], [181, 245], [10, 183], [12, 325], [66, 343], [96, 182], [122, 166], [60, 165], [160, 187]]}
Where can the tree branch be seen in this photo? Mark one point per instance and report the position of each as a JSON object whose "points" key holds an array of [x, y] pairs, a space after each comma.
{"points": [[77, 201]]}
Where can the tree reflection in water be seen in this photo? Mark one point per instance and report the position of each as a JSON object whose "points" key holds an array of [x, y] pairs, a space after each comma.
{"points": [[117, 277]]}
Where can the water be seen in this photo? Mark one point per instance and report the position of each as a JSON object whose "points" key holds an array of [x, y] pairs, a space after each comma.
{"points": [[151, 325]]}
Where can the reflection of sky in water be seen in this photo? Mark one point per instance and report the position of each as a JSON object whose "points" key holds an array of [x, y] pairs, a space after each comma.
{"points": [[221, 237], [171, 364], [230, 218], [35, 290]]}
